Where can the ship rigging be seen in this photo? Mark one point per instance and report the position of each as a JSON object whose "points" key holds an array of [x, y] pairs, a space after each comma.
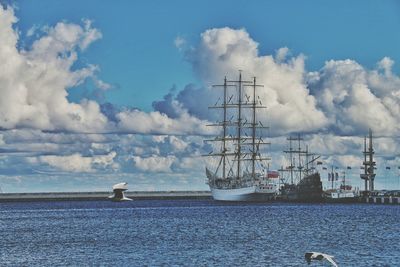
{"points": [[242, 171]]}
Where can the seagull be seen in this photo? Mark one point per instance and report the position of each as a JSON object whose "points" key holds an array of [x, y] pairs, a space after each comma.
{"points": [[319, 256]]}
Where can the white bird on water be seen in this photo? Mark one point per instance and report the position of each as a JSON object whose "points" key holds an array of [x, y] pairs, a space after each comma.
{"points": [[319, 256]]}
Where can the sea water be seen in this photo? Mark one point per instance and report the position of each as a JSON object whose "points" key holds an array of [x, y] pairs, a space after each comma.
{"points": [[196, 233]]}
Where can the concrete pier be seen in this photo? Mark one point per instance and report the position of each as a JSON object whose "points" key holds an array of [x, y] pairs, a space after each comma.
{"points": [[382, 200], [376, 197], [381, 197], [70, 196]]}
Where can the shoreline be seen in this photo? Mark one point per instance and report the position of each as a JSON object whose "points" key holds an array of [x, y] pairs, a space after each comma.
{"points": [[161, 195], [103, 195]]}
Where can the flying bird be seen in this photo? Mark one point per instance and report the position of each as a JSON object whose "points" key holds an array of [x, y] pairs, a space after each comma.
{"points": [[319, 256]]}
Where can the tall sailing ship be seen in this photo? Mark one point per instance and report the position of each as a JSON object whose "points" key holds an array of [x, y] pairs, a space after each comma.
{"points": [[241, 172], [303, 184]]}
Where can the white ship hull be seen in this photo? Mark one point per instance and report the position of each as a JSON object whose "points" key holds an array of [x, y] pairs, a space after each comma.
{"points": [[251, 193], [341, 196]]}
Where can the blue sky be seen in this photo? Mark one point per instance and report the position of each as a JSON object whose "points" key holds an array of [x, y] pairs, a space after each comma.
{"points": [[98, 92], [137, 52]]}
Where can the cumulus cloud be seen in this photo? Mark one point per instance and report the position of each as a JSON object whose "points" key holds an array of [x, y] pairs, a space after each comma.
{"points": [[34, 86], [355, 99], [79, 163], [195, 100], [137, 121], [154, 163], [177, 143], [342, 98], [224, 51], [34, 83]]}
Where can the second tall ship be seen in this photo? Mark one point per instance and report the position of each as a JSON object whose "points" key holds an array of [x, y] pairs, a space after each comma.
{"points": [[241, 171], [304, 181]]}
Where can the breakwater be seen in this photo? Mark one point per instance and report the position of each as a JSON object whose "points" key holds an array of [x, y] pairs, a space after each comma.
{"points": [[377, 197], [70, 196]]}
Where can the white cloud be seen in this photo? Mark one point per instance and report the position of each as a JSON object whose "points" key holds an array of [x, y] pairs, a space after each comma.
{"points": [[177, 143], [34, 86], [291, 107], [78, 163], [191, 163], [137, 121], [281, 54], [106, 161], [342, 98], [355, 99], [31, 31], [159, 138], [154, 163], [179, 42], [90, 36], [34, 83], [101, 84], [72, 163]]}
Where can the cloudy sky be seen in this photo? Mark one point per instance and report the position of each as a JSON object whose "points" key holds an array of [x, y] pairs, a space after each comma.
{"points": [[96, 93]]}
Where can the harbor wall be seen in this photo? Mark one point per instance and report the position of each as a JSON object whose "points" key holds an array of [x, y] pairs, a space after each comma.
{"points": [[153, 195], [71, 196], [381, 200]]}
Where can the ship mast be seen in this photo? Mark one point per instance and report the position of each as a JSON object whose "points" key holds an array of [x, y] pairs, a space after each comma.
{"points": [[253, 135], [238, 126], [290, 152], [254, 126], [299, 152], [224, 133]]}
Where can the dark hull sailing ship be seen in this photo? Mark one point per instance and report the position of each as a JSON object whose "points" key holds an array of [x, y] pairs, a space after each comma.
{"points": [[308, 187], [241, 173]]}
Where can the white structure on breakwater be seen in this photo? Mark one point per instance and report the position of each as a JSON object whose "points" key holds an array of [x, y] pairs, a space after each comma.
{"points": [[118, 190]]}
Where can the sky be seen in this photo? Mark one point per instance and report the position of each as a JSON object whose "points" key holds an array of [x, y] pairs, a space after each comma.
{"points": [[94, 93]]}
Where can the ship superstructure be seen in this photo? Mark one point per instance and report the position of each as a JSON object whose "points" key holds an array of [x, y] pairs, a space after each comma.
{"points": [[241, 172], [344, 193]]}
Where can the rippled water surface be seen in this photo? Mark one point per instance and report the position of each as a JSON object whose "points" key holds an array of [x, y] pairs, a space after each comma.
{"points": [[196, 233]]}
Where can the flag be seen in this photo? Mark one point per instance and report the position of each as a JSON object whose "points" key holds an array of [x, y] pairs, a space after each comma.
{"points": [[337, 176], [273, 174]]}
